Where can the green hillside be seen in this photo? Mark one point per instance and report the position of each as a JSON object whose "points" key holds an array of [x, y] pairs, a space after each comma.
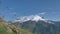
{"points": [[7, 28]]}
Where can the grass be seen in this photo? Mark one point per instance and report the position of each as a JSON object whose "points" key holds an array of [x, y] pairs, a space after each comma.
{"points": [[10, 29]]}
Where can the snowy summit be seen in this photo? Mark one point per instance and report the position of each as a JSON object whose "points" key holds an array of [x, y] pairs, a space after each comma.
{"points": [[37, 18], [27, 18]]}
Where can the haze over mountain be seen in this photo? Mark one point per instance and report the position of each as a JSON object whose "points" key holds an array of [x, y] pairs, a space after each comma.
{"points": [[49, 9]]}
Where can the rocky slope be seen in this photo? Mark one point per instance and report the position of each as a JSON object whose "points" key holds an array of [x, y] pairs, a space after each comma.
{"points": [[7, 28]]}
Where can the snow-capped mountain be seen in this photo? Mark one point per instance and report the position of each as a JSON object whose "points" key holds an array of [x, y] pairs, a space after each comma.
{"points": [[37, 24], [27, 18], [35, 18]]}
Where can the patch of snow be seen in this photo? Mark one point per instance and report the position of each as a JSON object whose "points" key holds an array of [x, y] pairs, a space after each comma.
{"points": [[32, 18]]}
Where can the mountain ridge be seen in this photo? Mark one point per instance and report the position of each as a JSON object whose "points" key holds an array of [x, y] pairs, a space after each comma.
{"points": [[35, 18], [40, 26]]}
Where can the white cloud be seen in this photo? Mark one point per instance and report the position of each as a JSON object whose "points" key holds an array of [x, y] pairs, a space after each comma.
{"points": [[42, 13], [14, 13], [10, 8]]}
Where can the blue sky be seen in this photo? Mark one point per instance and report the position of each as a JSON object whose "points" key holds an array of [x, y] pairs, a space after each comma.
{"points": [[49, 9]]}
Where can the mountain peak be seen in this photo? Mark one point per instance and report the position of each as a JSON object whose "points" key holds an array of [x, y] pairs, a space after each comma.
{"points": [[37, 18], [27, 18]]}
